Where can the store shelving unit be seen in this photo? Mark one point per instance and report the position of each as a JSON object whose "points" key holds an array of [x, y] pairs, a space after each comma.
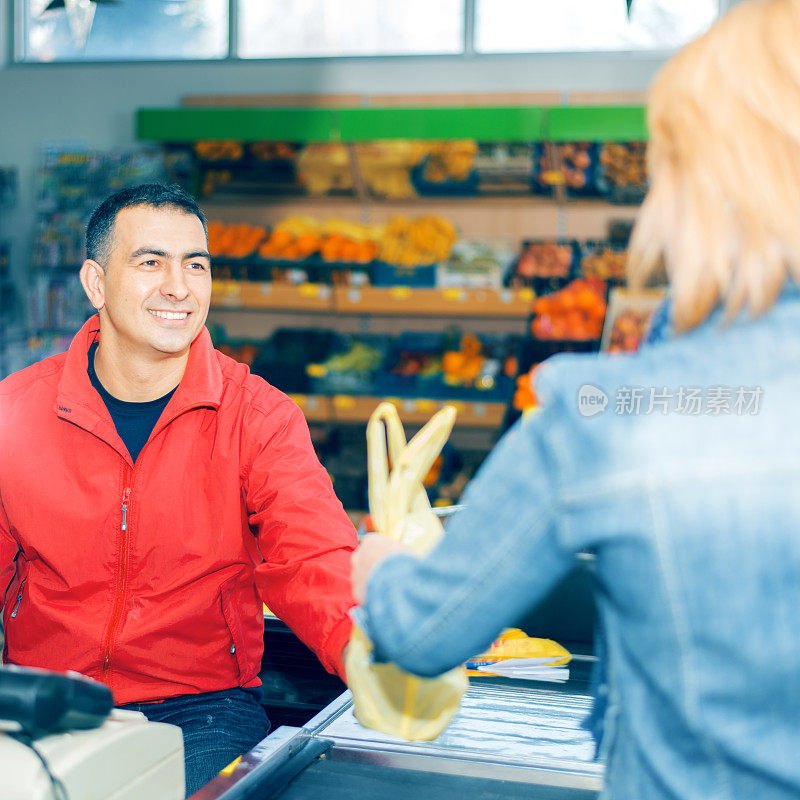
{"points": [[356, 409], [489, 123], [253, 309], [372, 300], [8, 199]]}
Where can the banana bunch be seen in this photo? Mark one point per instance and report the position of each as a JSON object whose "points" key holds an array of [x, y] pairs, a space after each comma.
{"points": [[385, 697], [450, 161], [352, 230], [425, 240], [324, 168], [386, 166], [299, 226]]}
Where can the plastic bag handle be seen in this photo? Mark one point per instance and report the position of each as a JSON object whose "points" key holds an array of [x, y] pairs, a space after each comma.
{"points": [[386, 440], [405, 489]]}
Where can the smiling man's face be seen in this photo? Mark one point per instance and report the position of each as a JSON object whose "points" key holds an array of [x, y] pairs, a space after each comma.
{"points": [[156, 287]]}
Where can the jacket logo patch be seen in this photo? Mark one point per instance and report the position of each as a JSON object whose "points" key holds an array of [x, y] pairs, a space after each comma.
{"points": [[65, 409]]}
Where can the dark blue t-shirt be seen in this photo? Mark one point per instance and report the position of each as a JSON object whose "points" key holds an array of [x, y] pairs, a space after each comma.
{"points": [[134, 421]]}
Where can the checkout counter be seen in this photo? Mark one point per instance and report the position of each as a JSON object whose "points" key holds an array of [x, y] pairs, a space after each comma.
{"points": [[512, 739], [505, 743]]}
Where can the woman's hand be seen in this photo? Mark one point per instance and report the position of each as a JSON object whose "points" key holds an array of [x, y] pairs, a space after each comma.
{"points": [[373, 549]]}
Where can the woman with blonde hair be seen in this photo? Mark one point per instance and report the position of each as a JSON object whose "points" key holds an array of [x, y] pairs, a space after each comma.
{"points": [[683, 481]]}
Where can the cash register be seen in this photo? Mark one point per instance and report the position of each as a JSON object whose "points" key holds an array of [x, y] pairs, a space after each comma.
{"points": [[61, 739]]}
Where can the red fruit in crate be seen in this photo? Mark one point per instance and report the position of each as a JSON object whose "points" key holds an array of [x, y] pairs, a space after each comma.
{"points": [[598, 285], [630, 342], [526, 266], [582, 160]]}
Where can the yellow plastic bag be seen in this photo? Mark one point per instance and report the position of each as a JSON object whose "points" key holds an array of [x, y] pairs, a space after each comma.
{"points": [[385, 697]]}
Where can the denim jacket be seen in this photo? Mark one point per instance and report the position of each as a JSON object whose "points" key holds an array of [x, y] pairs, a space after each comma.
{"points": [[679, 467]]}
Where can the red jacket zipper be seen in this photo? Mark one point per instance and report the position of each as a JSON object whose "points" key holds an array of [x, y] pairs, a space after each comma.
{"points": [[20, 593], [122, 574]]}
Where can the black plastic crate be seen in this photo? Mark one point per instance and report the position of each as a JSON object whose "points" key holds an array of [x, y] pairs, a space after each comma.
{"points": [[532, 351], [621, 172], [572, 165], [283, 358], [282, 270], [523, 275], [356, 378]]}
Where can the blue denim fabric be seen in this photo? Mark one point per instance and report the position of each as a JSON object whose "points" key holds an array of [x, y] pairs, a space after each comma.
{"points": [[217, 727], [695, 521]]}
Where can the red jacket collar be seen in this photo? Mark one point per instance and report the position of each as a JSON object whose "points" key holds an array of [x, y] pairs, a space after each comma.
{"points": [[78, 402]]}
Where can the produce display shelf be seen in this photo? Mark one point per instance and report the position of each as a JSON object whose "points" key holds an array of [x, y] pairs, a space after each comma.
{"points": [[315, 407], [256, 124], [513, 303], [271, 296], [596, 123], [222, 201], [413, 410], [487, 123], [395, 300], [417, 411]]}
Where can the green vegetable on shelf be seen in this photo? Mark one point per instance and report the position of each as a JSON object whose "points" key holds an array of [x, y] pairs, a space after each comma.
{"points": [[360, 357]]}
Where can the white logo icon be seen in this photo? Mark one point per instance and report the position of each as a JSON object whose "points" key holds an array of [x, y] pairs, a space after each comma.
{"points": [[591, 400]]}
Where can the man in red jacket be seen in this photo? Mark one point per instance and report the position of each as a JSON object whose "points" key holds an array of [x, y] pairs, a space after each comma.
{"points": [[153, 493]]}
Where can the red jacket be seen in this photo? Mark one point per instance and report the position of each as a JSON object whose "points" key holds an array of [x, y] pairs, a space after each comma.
{"points": [[150, 577]]}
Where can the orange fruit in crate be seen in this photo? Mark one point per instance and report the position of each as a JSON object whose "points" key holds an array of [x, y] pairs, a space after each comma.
{"points": [[366, 251], [349, 251], [280, 238], [307, 244], [290, 252], [331, 249]]}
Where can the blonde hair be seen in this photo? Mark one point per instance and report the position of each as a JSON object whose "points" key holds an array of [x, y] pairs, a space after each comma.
{"points": [[723, 212]]}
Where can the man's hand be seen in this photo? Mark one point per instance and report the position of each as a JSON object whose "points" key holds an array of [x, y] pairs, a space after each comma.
{"points": [[373, 549]]}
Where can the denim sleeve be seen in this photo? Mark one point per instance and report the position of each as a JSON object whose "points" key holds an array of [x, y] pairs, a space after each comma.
{"points": [[499, 557]]}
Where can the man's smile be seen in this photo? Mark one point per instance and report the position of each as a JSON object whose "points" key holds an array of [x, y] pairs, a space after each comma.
{"points": [[179, 315]]}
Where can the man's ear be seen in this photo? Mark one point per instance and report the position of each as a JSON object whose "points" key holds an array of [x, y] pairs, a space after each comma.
{"points": [[93, 280]]}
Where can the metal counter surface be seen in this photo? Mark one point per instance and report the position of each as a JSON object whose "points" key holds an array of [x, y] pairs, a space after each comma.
{"points": [[505, 742], [503, 723], [345, 781]]}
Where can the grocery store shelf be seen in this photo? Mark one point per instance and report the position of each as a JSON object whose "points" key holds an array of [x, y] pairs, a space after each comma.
{"points": [[392, 301], [460, 302], [221, 200], [356, 409], [487, 123], [596, 123], [269, 296], [315, 407], [495, 219], [255, 124], [417, 411]]}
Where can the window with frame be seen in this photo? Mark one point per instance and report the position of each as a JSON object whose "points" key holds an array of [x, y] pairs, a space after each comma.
{"points": [[127, 30], [152, 30], [308, 28], [542, 26]]}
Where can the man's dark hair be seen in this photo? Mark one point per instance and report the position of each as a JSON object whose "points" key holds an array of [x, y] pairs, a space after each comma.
{"points": [[158, 195]]}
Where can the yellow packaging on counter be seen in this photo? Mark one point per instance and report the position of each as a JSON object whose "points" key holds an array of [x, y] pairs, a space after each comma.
{"points": [[515, 643]]}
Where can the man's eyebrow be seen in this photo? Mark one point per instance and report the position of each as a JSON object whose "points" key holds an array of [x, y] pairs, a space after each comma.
{"points": [[150, 251], [154, 251]]}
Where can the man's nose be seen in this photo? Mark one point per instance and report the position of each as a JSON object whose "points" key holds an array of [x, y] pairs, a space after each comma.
{"points": [[174, 284]]}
